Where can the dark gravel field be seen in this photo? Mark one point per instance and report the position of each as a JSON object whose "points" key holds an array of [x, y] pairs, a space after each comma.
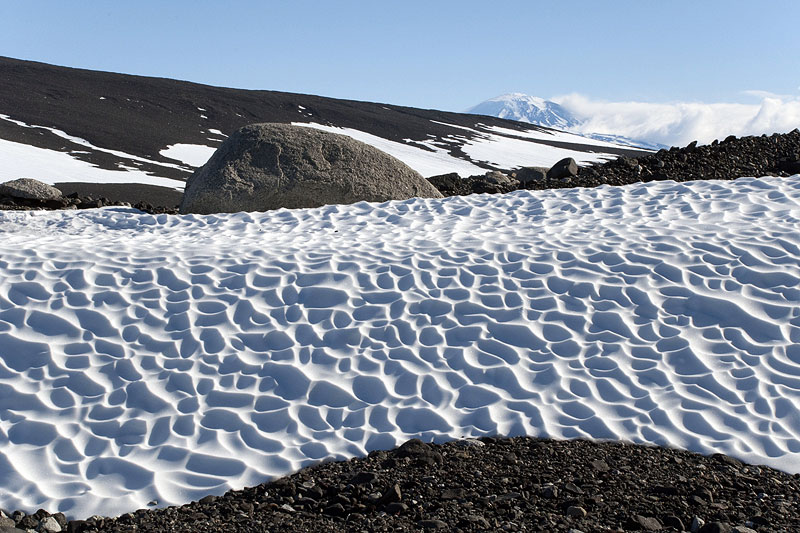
{"points": [[492, 484]]}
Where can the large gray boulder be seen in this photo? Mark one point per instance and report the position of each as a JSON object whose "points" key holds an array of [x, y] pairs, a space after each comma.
{"points": [[29, 189], [269, 166]]}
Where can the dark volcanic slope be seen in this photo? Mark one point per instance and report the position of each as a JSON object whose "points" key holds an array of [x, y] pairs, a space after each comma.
{"points": [[520, 484], [140, 115]]}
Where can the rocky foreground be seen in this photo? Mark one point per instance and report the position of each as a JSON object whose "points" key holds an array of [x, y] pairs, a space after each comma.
{"points": [[490, 484]]}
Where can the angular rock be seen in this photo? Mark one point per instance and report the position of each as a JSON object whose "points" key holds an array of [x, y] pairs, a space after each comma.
{"points": [[696, 524], [392, 495], [76, 526], [576, 511], [49, 525], [364, 478], [337, 509], [415, 448], [716, 527], [432, 524], [269, 166], [674, 522], [529, 174], [28, 522], [396, 508], [647, 523], [497, 178], [565, 168], [450, 184]]}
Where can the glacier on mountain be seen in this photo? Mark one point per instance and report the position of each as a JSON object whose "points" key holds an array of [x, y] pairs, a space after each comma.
{"points": [[534, 110]]}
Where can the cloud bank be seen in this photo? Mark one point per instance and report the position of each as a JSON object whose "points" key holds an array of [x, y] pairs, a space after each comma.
{"points": [[677, 124]]}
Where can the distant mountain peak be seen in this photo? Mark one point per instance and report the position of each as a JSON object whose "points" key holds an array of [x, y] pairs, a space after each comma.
{"points": [[540, 112], [526, 108]]}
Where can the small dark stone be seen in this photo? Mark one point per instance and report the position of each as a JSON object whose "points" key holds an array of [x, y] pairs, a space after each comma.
{"points": [[648, 523], [674, 522], [364, 478], [396, 508], [760, 521], [337, 509], [716, 527], [28, 522], [453, 494], [550, 492], [76, 526], [392, 495], [576, 511], [704, 493], [670, 491], [432, 524]]}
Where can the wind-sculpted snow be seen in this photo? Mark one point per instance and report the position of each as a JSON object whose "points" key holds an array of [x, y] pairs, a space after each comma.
{"points": [[168, 357]]}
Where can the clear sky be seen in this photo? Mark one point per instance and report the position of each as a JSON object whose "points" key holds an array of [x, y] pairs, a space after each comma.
{"points": [[438, 54], [666, 71]]}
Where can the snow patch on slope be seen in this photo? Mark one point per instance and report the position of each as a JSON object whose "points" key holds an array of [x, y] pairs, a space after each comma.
{"points": [[167, 357], [428, 163], [193, 155], [50, 166]]}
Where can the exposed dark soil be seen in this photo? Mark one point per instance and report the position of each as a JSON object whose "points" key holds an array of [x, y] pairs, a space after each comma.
{"points": [[491, 484]]}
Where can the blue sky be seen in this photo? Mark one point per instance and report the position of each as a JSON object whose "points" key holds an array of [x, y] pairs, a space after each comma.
{"points": [[665, 71], [441, 54]]}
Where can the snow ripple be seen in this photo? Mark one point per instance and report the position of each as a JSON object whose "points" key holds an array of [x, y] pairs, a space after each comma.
{"points": [[164, 357]]}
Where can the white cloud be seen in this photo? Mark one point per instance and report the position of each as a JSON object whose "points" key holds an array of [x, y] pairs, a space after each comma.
{"points": [[677, 124]]}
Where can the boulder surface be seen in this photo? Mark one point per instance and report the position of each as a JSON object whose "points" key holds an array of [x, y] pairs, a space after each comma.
{"points": [[268, 166], [29, 189]]}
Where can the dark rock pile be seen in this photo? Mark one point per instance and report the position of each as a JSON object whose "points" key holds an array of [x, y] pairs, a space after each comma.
{"points": [[774, 155], [74, 201], [491, 484]]}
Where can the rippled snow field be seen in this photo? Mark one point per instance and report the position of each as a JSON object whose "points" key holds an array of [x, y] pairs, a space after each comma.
{"points": [[168, 357]]}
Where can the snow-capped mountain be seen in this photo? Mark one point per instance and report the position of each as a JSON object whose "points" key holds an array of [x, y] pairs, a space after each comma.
{"points": [[534, 110], [525, 108]]}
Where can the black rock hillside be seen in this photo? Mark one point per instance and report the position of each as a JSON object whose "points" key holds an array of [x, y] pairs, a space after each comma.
{"points": [[140, 116], [773, 155], [490, 484]]}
